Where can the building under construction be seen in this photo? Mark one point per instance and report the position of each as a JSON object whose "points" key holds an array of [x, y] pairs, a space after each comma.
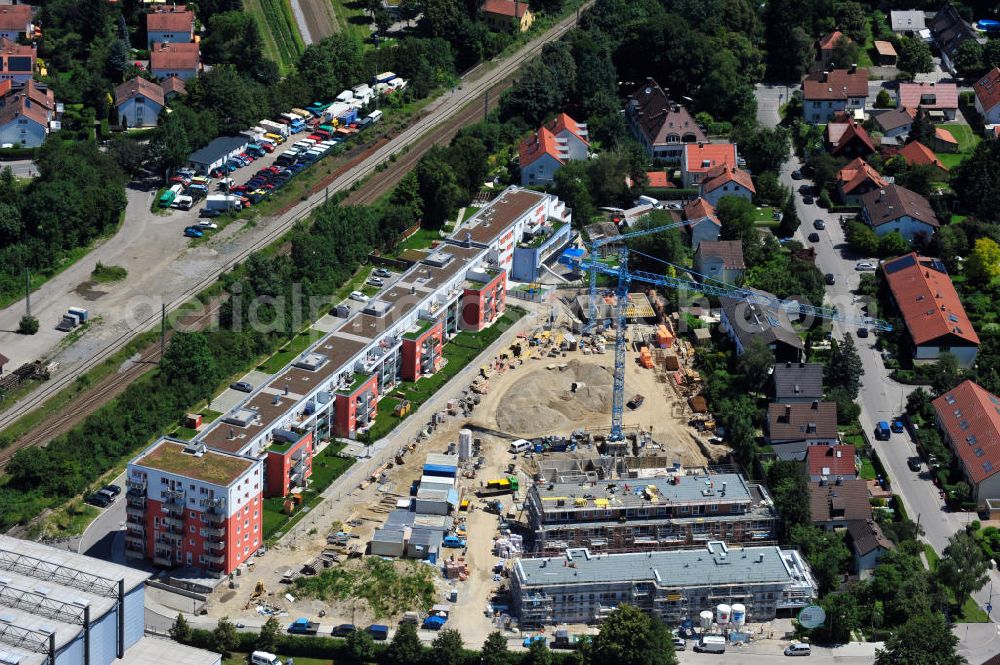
{"points": [[583, 587], [675, 511]]}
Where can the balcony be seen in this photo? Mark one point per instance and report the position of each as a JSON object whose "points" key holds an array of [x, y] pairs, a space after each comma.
{"points": [[163, 559], [137, 543], [297, 480], [172, 521], [173, 494], [138, 485], [136, 513], [299, 467], [298, 454], [211, 558], [215, 545], [213, 505], [210, 532], [170, 538]]}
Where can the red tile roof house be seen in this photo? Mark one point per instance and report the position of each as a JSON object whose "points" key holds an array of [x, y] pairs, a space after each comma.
{"points": [[825, 45], [15, 21], [896, 208], [27, 114], [987, 91], [699, 158], [661, 126], [943, 141], [726, 180], [499, 14], [827, 93], [180, 60], [916, 152], [721, 260], [169, 24], [545, 151], [856, 179], [138, 103], [935, 319], [848, 139], [940, 100], [706, 225], [969, 418], [17, 61], [835, 505], [831, 462]]}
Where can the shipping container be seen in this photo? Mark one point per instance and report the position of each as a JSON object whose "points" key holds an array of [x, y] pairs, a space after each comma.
{"points": [[384, 77], [302, 113]]}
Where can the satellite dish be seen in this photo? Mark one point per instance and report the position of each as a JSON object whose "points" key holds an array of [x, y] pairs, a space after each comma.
{"points": [[812, 616]]}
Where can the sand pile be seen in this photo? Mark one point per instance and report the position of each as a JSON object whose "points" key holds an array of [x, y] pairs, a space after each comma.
{"points": [[544, 402]]}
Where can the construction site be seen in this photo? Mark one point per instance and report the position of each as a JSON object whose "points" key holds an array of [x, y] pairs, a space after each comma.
{"points": [[455, 497]]}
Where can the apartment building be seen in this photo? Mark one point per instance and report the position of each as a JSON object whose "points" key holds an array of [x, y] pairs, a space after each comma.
{"points": [[187, 505], [288, 464], [653, 513], [582, 587]]}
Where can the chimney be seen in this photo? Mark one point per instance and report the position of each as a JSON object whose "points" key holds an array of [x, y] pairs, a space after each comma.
{"points": [[815, 405], [811, 428], [788, 413], [854, 68], [825, 76]]}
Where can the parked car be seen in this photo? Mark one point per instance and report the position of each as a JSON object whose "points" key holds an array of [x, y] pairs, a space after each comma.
{"points": [[242, 386], [192, 232], [798, 649], [115, 490], [813, 237], [862, 266], [343, 630], [819, 224], [680, 644], [358, 296], [797, 175], [374, 281], [204, 224], [862, 333], [897, 425], [830, 279], [808, 200], [99, 500], [382, 272], [915, 464]]}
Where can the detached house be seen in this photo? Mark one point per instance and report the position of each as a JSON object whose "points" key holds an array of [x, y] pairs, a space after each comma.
{"points": [[502, 14], [797, 382], [792, 428], [896, 208], [895, 124], [15, 21], [17, 61], [661, 126], [857, 179], [916, 152], [868, 544], [950, 30], [705, 224], [839, 461], [726, 180], [940, 100], [169, 24], [139, 102], [968, 416], [745, 321], [835, 505], [698, 159], [721, 260], [27, 114], [825, 46], [987, 91], [180, 60], [847, 138], [935, 320], [544, 152], [827, 93]]}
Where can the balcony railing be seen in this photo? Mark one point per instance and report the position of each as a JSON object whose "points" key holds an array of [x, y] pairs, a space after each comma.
{"points": [[136, 485], [297, 480], [170, 538], [134, 512], [299, 467], [216, 504], [215, 545], [211, 558], [163, 559], [173, 494], [172, 521], [135, 542], [210, 532]]}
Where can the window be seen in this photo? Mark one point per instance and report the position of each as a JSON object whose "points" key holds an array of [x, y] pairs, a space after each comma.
{"points": [[191, 542], [194, 515], [192, 528]]}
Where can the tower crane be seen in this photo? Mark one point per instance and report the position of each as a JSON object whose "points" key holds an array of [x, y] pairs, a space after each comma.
{"points": [[708, 287]]}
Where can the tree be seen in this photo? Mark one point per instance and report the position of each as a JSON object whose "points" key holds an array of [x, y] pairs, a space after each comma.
{"points": [[846, 52], [383, 20], [447, 648], [361, 645], [225, 638], [28, 325], [843, 615], [914, 56], [538, 654], [852, 17], [269, 635], [405, 647], [764, 148], [969, 59], [438, 188], [963, 566], [736, 215], [892, 244], [847, 408], [629, 636], [826, 553], [189, 361], [862, 238], [495, 651], [128, 153], [983, 264], [181, 630], [572, 186], [945, 373], [883, 100], [755, 363], [921, 129], [788, 485], [925, 639], [790, 221], [844, 366]]}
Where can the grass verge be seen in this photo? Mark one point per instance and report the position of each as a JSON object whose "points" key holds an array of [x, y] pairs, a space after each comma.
{"points": [[106, 274], [327, 466], [282, 41]]}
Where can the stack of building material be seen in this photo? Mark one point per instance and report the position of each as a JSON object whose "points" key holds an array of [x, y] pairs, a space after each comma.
{"points": [[664, 338], [456, 568], [509, 546], [645, 358]]}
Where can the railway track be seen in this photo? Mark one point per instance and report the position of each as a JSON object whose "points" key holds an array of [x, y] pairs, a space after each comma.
{"points": [[419, 136]]}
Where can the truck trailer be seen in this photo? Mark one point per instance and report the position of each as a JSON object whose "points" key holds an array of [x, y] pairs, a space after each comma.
{"points": [[223, 202]]}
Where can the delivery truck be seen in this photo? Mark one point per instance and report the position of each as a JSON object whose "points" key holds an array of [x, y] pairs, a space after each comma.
{"points": [[274, 127], [223, 202]]}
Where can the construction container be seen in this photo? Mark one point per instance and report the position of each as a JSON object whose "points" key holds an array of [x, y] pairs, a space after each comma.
{"points": [[192, 420]]}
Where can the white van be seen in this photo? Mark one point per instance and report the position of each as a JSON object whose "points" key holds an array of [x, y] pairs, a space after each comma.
{"points": [[711, 644], [798, 649], [520, 446], [264, 658], [648, 200]]}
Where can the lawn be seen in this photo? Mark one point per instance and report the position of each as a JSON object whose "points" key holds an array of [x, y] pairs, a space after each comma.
{"points": [[469, 212], [764, 216], [351, 19], [290, 351], [967, 142], [422, 239], [867, 469]]}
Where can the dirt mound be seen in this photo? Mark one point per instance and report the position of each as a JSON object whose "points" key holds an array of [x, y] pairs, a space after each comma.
{"points": [[544, 401]]}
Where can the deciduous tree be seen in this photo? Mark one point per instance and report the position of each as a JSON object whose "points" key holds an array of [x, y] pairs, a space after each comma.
{"points": [[447, 648], [963, 565], [983, 264], [844, 366], [914, 56], [270, 633], [224, 637], [629, 636], [405, 647], [495, 651], [925, 639]]}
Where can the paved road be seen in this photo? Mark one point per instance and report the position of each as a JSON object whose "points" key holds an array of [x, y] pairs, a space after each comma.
{"points": [[172, 272]]}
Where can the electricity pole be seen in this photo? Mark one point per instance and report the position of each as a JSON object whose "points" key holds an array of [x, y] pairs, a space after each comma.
{"points": [[27, 291]]}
